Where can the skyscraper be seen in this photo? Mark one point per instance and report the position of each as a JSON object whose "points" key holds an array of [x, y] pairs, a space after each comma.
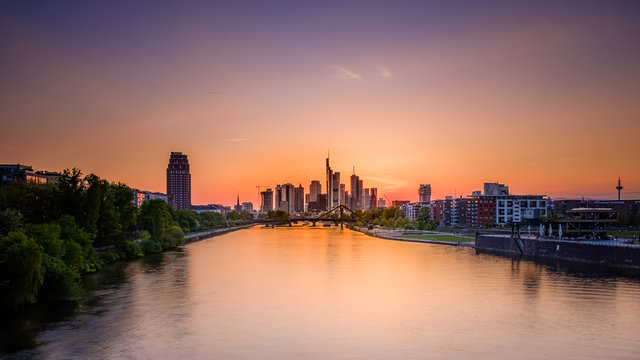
{"points": [[329, 184], [179, 182], [333, 187], [285, 198], [356, 193], [298, 199], [267, 200], [424, 193]]}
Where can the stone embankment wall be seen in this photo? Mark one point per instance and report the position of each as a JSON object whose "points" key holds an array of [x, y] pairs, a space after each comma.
{"points": [[611, 255]]}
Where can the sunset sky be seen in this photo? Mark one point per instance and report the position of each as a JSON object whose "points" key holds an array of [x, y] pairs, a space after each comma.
{"points": [[543, 96]]}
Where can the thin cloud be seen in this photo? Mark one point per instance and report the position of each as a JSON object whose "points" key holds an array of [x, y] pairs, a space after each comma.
{"points": [[236, 140], [384, 72], [345, 74]]}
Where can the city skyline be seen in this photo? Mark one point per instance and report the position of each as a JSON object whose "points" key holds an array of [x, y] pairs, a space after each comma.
{"points": [[540, 96]]}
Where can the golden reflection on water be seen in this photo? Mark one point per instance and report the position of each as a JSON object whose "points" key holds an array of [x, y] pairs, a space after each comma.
{"points": [[315, 292], [323, 293]]}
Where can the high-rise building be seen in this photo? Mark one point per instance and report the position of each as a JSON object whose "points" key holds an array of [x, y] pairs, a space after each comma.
{"points": [[267, 200], [356, 192], [495, 189], [333, 187], [373, 202], [382, 203], [329, 184], [315, 189], [285, 198], [298, 199], [179, 181], [424, 193]]}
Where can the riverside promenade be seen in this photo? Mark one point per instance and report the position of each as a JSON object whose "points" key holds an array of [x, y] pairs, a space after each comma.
{"points": [[189, 238], [429, 237]]}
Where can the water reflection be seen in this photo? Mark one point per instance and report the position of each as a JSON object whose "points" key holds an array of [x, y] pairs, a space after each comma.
{"points": [[325, 293]]}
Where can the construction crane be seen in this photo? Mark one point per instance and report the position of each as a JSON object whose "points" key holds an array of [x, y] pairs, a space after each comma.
{"points": [[388, 201], [258, 187]]}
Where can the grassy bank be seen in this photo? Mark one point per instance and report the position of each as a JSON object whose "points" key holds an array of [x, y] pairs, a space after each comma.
{"points": [[452, 238]]}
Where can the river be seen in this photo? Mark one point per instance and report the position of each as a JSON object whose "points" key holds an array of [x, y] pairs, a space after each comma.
{"points": [[323, 293]]}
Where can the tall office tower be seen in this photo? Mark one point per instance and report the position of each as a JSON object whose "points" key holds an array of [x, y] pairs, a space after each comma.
{"points": [[361, 194], [329, 185], [315, 189], [342, 195], [356, 193], [267, 200], [495, 189], [179, 182], [424, 193], [335, 191], [367, 199], [298, 199], [285, 198], [373, 202]]}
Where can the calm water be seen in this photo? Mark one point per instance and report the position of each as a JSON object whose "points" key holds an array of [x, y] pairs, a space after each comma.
{"points": [[330, 294]]}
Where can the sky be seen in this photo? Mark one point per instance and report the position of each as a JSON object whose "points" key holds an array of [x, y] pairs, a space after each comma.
{"points": [[543, 96]]}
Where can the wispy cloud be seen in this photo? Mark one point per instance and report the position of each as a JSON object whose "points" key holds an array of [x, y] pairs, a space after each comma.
{"points": [[384, 72], [345, 74], [236, 140]]}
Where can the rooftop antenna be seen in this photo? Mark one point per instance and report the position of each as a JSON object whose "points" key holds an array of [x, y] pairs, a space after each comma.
{"points": [[354, 169]]}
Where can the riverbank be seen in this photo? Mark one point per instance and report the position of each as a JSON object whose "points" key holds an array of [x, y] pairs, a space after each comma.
{"points": [[422, 237], [191, 238], [607, 253]]}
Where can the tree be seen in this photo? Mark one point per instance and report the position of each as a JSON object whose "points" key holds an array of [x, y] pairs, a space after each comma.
{"points": [[431, 225], [125, 208], [155, 217], [277, 214], [10, 220], [48, 237], [424, 214], [21, 273], [71, 195]]}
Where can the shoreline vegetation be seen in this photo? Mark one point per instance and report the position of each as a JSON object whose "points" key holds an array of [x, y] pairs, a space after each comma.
{"points": [[52, 235]]}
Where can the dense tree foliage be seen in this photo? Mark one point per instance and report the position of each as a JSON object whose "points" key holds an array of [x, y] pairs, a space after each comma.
{"points": [[277, 214], [49, 233]]}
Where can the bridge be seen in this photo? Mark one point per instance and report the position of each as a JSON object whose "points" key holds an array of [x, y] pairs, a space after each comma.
{"points": [[336, 216]]}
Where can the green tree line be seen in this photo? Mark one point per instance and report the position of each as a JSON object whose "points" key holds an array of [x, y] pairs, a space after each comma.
{"points": [[49, 233]]}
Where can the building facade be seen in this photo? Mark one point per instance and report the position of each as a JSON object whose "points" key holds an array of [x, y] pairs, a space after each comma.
{"points": [[424, 193], [179, 181], [266, 201]]}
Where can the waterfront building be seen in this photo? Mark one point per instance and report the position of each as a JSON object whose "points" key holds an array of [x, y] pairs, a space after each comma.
{"points": [[179, 181], [412, 210], [343, 195], [424, 193], [18, 172], [382, 203], [399, 203], [495, 189], [210, 208], [142, 196], [267, 201], [247, 206], [441, 211]]}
